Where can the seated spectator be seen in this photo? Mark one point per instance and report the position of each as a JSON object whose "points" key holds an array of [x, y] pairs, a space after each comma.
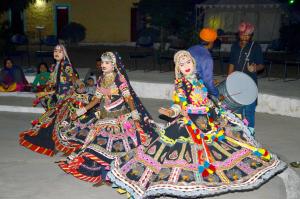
{"points": [[95, 72], [41, 78], [12, 77], [90, 86]]}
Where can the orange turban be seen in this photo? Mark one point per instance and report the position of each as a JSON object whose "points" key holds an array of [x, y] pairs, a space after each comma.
{"points": [[208, 34]]}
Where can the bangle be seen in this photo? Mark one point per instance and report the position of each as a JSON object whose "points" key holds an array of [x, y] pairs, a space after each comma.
{"points": [[81, 111], [135, 115], [176, 108]]}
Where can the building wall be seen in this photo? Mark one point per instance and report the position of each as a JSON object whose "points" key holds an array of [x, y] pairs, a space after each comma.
{"points": [[104, 20], [39, 14], [3, 17]]}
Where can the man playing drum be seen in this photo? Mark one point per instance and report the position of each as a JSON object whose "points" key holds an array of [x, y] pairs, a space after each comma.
{"points": [[246, 56], [203, 58]]}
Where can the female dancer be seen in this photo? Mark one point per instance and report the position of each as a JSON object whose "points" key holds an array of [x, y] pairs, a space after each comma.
{"points": [[206, 150], [122, 124], [60, 86]]}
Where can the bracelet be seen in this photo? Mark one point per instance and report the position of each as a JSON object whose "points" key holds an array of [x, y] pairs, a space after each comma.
{"points": [[135, 115], [81, 111], [176, 108]]}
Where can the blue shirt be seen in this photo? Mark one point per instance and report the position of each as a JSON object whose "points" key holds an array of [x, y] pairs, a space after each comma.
{"points": [[238, 57], [205, 66]]}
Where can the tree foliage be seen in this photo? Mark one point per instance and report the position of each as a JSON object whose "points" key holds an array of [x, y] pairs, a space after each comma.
{"points": [[19, 5], [173, 17], [73, 32]]}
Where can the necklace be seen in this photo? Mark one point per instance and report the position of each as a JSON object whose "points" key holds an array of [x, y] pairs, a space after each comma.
{"points": [[108, 80]]}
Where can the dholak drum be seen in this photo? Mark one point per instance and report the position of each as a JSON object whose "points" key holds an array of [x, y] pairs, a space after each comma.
{"points": [[239, 89]]}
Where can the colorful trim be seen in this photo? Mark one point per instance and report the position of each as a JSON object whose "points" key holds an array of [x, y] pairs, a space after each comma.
{"points": [[72, 168], [65, 167], [65, 149], [33, 147]]}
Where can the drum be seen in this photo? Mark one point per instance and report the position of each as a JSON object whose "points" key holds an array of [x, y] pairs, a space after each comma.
{"points": [[239, 89]]}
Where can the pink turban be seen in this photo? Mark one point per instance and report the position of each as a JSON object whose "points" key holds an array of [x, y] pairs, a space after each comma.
{"points": [[246, 28]]}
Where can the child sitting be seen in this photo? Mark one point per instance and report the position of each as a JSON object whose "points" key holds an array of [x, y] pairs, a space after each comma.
{"points": [[90, 87], [41, 78]]}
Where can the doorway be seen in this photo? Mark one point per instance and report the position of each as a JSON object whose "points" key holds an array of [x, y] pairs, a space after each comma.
{"points": [[16, 21], [62, 19]]}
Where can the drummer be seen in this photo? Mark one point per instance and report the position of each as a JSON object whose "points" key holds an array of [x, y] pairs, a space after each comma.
{"points": [[246, 56], [203, 58]]}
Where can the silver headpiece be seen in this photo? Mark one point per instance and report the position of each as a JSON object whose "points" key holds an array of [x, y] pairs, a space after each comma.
{"points": [[109, 56]]}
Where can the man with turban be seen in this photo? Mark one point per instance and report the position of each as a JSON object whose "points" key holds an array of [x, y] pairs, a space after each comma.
{"points": [[203, 58], [246, 56]]}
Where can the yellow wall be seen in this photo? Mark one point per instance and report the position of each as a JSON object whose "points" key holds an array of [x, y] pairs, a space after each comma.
{"points": [[104, 20], [3, 17], [39, 14]]}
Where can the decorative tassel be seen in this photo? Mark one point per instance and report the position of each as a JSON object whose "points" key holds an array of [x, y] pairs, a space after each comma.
{"points": [[36, 102], [45, 125], [34, 122], [263, 154], [121, 191], [206, 169]]}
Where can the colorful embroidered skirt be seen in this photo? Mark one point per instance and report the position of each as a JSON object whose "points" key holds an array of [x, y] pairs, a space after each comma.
{"points": [[174, 164], [108, 139], [46, 136]]}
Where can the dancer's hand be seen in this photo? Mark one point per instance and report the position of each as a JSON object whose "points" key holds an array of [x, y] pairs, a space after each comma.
{"points": [[73, 116], [49, 87], [5, 86], [252, 68], [167, 112], [216, 82]]}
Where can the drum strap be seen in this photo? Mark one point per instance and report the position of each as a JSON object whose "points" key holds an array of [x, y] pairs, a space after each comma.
{"points": [[247, 57]]}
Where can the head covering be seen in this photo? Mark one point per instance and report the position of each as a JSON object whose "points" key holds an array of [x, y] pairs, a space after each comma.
{"points": [[145, 123], [62, 47], [177, 56], [208, 34], [11, 75], [109, 56], [246, 28], [66, 62]]}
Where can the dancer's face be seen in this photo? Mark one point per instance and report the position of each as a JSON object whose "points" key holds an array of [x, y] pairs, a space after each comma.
{"points": [[107, 67], [58, 54], [186, 65]]}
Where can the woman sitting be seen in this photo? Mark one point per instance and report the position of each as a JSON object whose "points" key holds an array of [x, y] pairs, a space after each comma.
{"points": [[12, 77]]}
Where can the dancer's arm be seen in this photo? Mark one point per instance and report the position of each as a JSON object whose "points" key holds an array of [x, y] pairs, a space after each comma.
{"points": [[178, 99], [96, 99]]}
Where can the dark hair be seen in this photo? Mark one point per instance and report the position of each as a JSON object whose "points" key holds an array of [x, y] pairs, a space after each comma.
{"points": [[90, 78], [7, 59], [39, 67], [98, 59]]}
